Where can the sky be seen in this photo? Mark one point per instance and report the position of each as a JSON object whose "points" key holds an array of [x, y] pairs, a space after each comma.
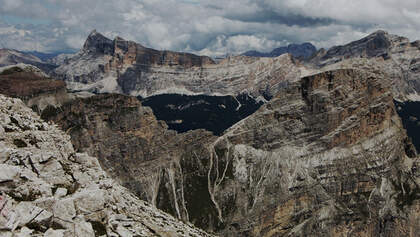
{"points": [[206, 27]]}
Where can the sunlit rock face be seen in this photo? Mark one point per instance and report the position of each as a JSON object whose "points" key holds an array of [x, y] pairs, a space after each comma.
{"points": [[121, 66], [395, 55], [327, 156], [47, 189]]}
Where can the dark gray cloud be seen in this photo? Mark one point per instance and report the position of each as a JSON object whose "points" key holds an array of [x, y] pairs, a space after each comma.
{"points": [[213, 27]]}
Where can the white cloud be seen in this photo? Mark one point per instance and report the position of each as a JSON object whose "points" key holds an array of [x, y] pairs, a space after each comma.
{"points": [[207, 26]]}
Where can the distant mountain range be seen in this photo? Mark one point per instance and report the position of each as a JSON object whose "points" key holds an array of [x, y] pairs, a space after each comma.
{"points": [[304, 51], [49, 56]]}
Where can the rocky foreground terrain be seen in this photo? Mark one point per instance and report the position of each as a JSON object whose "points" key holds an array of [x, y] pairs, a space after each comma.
{"points": [[47, 189]]}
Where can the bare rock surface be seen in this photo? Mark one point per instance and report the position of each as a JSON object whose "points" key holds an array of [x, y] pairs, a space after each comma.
{"points": [[33, 86], [49, 190], [327, 156], [393, 54], [121, 66]]}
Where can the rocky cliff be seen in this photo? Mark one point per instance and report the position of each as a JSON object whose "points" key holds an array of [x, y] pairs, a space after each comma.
{"points": [[33, 86], [327, 156], [47, 189], [105, 65], [393, 54]]}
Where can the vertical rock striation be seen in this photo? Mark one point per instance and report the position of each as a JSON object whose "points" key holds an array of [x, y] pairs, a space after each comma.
{"points": [[326, 156]]}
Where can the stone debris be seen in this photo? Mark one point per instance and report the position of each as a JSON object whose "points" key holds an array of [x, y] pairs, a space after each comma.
{"points": [[49, 190]]}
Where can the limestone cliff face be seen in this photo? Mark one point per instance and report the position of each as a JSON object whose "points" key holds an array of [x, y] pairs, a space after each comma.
{"points": [[141, 153], [327, 156], [49, 190], [121, 66], [393, 54], [32, 86]]}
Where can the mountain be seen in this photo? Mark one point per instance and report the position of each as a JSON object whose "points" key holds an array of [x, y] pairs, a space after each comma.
{"points": [[11, 57], [48, 57], [304, 51], [33, 86], [395, 55], [47, 189], [121, 66], [327, 155]]}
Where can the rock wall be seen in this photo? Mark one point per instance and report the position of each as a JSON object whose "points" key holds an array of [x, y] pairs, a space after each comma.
{"points": [[393, 54], [120, 66], [327, 156], [47, 189], [32, 86]]}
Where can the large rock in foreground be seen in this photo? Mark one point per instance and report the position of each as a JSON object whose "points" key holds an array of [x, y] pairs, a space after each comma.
{"points": [[49, 190]]}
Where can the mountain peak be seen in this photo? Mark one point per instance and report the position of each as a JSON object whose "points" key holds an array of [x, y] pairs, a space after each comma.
{"points": [[93, 32], [379, 32], [96, 42]]}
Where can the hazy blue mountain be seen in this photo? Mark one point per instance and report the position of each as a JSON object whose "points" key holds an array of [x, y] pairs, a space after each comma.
{"points": [[304, 50]]}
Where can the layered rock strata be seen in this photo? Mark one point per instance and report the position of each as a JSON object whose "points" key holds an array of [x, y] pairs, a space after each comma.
{"points": [[33, 86], [120, 66], [326, 156], [394, 54]]}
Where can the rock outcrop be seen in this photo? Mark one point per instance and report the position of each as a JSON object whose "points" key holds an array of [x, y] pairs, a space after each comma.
{"points": [[33, 86], [120, 66], [47, 189], [395, 55]]}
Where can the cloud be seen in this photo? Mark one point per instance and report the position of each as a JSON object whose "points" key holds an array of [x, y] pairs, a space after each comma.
{"points": [[213, 27]]}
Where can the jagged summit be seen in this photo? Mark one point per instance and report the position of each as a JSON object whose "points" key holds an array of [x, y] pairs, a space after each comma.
{"points": [[98, 43]]}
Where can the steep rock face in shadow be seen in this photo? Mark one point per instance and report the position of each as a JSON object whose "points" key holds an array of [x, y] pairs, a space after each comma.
{"points": [[326, 156], [140, 152]]}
